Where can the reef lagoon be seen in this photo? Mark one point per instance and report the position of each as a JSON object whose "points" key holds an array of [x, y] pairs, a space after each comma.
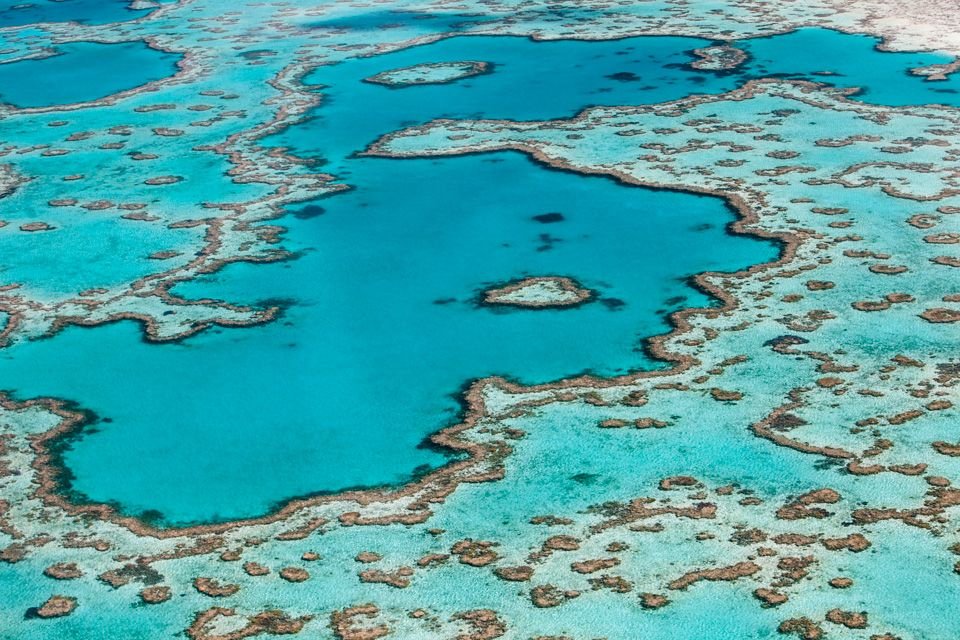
{"points": [[80, 72], [14, 13], [554, 321]]}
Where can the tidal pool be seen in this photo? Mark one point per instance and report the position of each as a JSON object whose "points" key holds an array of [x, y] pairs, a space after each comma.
{"points": [[82, 72], [382, 327]]}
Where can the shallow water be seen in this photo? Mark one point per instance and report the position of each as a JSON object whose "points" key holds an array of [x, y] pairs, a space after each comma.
{"points": [[383, 329]]}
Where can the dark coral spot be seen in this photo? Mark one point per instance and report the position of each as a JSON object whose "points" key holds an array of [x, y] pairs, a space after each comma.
{"points": [[548, 218], [584, 478], [307, 212], [614, 304], [785, 341]]}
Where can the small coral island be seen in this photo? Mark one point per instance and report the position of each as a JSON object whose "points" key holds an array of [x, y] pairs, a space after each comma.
{"points": [[718, 58], [539, 292], [432, 73]]}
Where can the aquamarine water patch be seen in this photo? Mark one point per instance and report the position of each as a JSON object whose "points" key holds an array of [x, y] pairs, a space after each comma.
{"points": [[384, 328], [14, 13], [568, 75], [793, 476], [383, 331], [409, 315], [848, 60], [82, 72], [81, 250], [532, 80]]}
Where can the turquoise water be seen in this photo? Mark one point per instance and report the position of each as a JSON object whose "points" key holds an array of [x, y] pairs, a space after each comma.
{"points": [[531, 81], [538, 80], [83, 71], [14, 13], [383, 332], [851, 61], [381, 328], [386, 19], [384, 329]]}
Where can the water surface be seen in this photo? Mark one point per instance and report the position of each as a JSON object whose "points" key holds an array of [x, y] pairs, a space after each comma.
{"points": [[382, 328], [81, 72], [14, 13]]}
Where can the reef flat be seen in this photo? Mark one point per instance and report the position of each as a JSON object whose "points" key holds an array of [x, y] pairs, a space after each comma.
{"points": [[539, 292], [257, 385], [435, 73]]}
